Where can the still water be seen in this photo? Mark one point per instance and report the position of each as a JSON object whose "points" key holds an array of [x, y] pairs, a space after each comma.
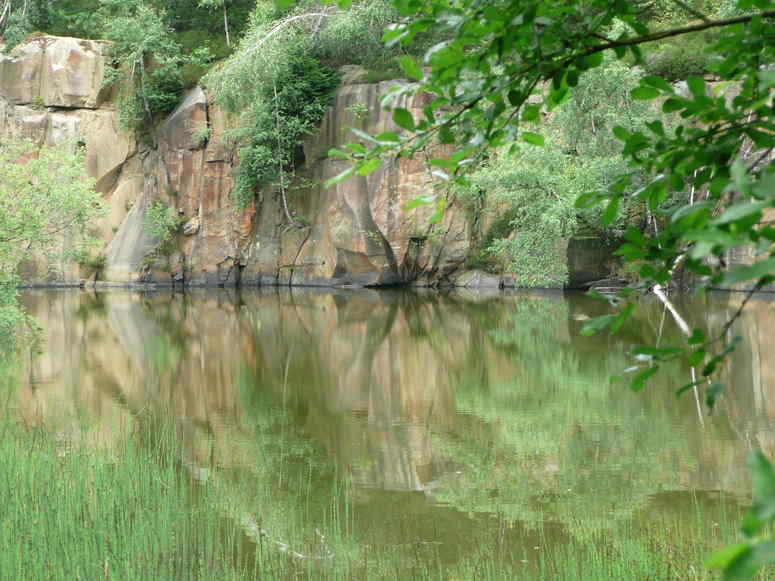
{"points": [[440, 435]]}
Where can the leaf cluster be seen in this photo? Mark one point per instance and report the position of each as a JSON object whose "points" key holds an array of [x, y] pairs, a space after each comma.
{"points": [[45, 195], [163, 224]]}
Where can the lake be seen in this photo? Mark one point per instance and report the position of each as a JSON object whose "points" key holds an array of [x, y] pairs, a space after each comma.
{"points": [[397, 435]]}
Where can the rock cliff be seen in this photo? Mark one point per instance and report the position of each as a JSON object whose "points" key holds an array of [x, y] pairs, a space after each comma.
{"points": [[358, 232], [51, 91]]}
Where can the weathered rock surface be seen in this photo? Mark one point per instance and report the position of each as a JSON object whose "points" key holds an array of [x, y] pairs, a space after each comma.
{"points": [[358, 232], [53, 71]]}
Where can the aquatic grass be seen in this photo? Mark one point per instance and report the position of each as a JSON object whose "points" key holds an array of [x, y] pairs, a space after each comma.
{"points": [[70, 513], [137, 511]]}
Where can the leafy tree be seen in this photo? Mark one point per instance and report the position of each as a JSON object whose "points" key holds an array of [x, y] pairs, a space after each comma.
{"points": [[716, 163], [45, 194], [219, 5], [147, 58], [18, 18], [536, 187], [277, 113]]}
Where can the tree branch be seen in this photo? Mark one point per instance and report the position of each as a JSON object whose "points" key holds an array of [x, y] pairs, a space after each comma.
{"points": [[672, 32]]}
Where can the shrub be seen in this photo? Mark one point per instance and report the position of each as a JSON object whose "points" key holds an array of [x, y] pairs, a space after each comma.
{"points": [[163, 225]]}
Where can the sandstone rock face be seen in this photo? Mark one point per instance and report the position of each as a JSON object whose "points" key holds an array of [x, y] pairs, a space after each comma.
{"points": [[358, 232], [55, 72]]}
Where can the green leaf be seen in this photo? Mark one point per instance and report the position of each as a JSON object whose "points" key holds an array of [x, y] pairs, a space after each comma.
{"points": [[696, 86], [362, 134], [403, 118], [658, 82], [671, 105], [696, 357], [644, 93], [587, 200], [410, 68], [745, 273], [533, 138], [356, 148], [762, 509], [515, 98], [368, 166], [594, 60], [611, 211], [723, 557], [635, 236], [387, 137], [697, 338], [333, 152], [621, 133], [597, 324], [621, 317], [438, 214], [339, 178], [639, 381], [420, 201], [441, 162], [740, 211], [531, 113], [656, 128]]}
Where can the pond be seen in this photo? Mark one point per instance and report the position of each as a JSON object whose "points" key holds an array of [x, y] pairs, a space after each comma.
{"points": [[363, 434]]}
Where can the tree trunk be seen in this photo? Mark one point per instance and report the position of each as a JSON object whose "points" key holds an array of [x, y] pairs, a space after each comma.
{"points": [[226, 24]]}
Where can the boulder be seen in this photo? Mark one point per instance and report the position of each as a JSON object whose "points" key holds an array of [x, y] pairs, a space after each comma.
{"points": [[55, 71]]}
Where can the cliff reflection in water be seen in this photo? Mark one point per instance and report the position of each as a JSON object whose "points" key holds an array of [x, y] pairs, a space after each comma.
{"points": [[448, 406]]}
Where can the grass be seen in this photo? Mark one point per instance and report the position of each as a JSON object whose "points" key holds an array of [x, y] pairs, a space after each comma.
{"points": [[137, 512], [68, 513]]}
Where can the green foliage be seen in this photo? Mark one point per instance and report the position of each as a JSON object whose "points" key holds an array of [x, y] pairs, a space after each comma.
{"points": [[480, 81], [147, 61], [743, 560], [163, 224], [354, 36], [542, 214], [204, 18], [536, 187], [45, 194], [290, 109], [11, 320], [277, 113], [63, 18], [715, 168], [92, 263], [679, 59]]}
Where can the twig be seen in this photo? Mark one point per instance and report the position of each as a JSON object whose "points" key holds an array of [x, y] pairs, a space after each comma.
{"points": [[728, 325]]}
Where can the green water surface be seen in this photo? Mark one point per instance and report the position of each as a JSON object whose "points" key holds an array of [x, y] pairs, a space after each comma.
{"points": [[396, 435]]}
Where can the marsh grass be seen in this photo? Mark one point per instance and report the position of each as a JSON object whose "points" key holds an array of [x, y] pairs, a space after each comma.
{"points": [[143, 510], [70, 513], [135, 512]]}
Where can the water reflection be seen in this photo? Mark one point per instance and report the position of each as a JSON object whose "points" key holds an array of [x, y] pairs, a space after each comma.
{"points": [[453, 417]]}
